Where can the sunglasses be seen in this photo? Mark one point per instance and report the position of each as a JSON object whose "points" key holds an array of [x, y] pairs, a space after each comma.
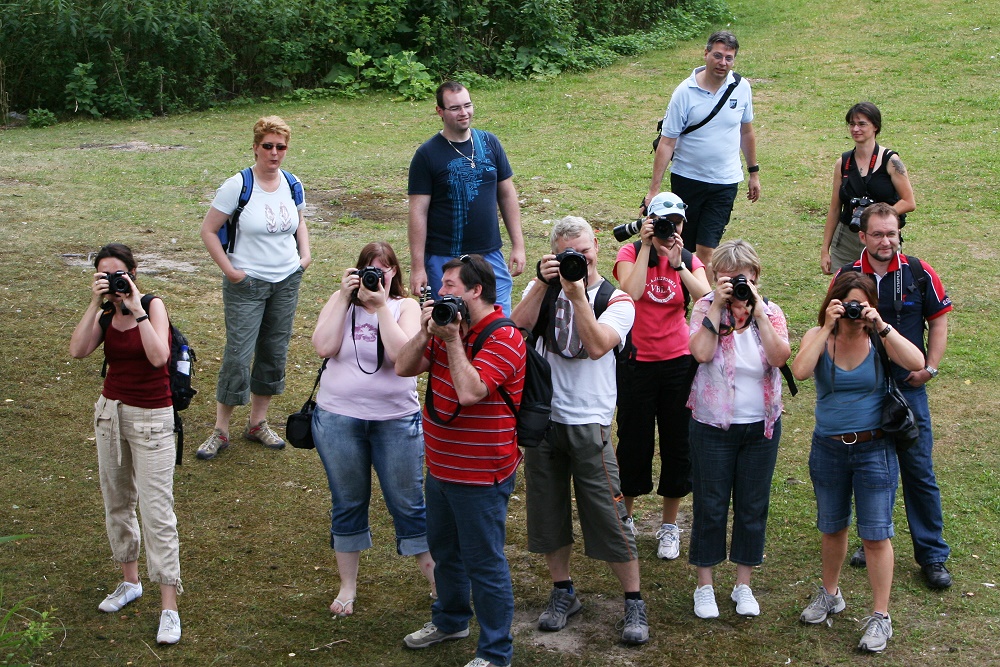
{"points": [[268, 146], [669, 204]]}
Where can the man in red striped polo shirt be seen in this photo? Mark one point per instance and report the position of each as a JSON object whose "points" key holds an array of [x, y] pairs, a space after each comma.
{"points": [[470, 446]]}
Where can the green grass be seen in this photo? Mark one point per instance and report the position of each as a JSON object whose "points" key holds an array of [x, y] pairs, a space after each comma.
{"points": [[258, 572]]}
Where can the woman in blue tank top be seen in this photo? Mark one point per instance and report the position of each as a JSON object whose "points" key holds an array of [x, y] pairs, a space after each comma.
{"points": [[850, 455]]}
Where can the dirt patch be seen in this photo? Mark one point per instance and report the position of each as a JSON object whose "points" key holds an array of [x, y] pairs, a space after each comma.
{"points": [[339, 204], [599, 617], [151, 264], [133, 147]]}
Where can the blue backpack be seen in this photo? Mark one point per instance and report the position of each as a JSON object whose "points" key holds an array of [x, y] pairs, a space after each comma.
{"points": [[227, 233]]}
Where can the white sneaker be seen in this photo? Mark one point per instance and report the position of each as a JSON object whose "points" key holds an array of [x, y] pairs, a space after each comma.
{"points": [[630, 524], [746, 604], [170, 627], [123, 595], [669, 536], [704, 602]]}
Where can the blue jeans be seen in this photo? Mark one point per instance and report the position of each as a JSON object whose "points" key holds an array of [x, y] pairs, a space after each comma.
{"points": [[259, 318], [349, 449], [920, 490], [466, 530], [737, 463], [868, 471], [505, 284]]}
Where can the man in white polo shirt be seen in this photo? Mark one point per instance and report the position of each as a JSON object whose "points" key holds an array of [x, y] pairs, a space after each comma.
{"points": [[708, 122]]}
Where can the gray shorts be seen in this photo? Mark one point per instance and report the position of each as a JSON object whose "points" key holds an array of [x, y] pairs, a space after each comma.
{"points": [[259, 318], [583, 452]]}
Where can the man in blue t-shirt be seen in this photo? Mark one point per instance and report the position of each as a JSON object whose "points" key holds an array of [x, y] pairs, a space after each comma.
{"points": [[458, 179], [706, 170]]}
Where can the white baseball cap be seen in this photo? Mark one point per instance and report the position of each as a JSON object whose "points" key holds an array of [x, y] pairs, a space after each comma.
{"points": [[666, 203]]}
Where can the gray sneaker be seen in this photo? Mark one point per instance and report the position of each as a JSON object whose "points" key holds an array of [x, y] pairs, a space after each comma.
{"points": [[635, 627], [265, 435], [562, 605], [429, 635], [878, 631], [822, 606], [215, 444]]}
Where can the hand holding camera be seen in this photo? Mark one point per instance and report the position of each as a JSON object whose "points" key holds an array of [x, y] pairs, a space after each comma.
{"points": [[858, 206]]}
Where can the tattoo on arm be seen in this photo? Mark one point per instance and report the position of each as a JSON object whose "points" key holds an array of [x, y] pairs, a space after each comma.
{"points": [[898, 164]]}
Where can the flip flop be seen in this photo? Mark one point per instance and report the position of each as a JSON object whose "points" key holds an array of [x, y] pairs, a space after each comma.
{"points": [[343, 613]]}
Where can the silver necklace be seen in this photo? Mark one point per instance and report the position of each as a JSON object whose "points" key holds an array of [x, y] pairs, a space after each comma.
{"points": [[472, 160]]}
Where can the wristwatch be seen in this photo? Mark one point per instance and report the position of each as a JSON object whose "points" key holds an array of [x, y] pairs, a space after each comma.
{"points": [[933, 371], [753, 169]]}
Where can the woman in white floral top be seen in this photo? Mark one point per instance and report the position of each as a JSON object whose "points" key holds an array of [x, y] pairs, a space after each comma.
{"points": [[740, 341]]}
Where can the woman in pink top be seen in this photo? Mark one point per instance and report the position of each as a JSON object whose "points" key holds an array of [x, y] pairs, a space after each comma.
{"points": [[369, 417], [655, 378]]}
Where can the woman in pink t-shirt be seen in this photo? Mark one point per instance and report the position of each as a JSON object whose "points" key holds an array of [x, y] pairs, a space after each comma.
{"points": [[369, 417], [654, 373]]}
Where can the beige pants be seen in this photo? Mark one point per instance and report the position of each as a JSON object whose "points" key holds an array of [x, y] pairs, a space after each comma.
{"points": [[135, 454]]}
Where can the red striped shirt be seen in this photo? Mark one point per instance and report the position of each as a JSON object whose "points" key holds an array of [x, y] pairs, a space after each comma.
{"points": [[480, 446]]}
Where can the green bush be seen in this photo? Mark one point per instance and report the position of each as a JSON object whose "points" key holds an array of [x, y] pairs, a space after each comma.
{"points": [[135, 58]]}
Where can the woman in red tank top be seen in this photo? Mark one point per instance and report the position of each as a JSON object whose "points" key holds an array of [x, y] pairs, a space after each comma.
{"points": [[133, 421]]}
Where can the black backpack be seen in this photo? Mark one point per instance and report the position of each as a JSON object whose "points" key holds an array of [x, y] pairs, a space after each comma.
{"points": [[181, 391], [536, 398]]}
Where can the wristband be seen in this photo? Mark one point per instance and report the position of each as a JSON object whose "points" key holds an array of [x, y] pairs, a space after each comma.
{"points": [[753, 169], [678, 268], [885, 332], [707, 323], [141, 318]]}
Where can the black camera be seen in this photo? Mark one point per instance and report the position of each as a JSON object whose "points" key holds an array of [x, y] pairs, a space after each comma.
{"points": [[741, 289], [663, 228], [572, 265], [447, 308], [858, 206], [852, 310], [371, 277], [118, 283]]}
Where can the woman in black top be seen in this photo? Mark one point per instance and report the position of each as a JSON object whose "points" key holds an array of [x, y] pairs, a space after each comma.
{"points": [[872, 171]]}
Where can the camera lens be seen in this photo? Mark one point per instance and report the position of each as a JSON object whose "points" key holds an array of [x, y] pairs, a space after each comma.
{"points": [[371, 277], [741, 289], [447, 309], [664, 228], [852, 310], [572, 265], [629, 229]]}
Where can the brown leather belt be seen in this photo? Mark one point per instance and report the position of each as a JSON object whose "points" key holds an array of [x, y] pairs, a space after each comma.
{"points": [[858, 437]]}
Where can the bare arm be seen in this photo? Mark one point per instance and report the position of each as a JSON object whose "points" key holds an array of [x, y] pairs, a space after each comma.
{"points": [[597, 339], [525, 313], [810, 350], [632, 275], [210, 227], [748, 144], [329, 333], [88, 334], [469, 387], [937, 341], [832, 220], [510, 210], [901, 182], [410, 360], [396, 333], [664, 153], [302, 241], [416, 236]]}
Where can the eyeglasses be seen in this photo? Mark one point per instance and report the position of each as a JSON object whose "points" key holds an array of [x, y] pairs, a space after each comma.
{"points": [[878, 236], [268, 146], [860, 124], [722, 56], [458, 108]]}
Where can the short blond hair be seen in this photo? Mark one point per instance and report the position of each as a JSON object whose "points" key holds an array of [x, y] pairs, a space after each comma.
{"points": [[271, 125], [572, 227], [732, 256]]}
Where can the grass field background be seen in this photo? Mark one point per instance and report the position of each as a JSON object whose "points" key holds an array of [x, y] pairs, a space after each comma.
{"points": [[258, 572]]}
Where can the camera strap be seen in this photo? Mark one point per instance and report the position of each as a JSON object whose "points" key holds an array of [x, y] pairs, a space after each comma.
{"points": [[379, 346], [848, 157], [711, 114]]}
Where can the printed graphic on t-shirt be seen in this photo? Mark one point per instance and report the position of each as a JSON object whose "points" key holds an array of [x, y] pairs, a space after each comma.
{"points": [[662, 289], [566, 340], [273, 223], [365, 332]]}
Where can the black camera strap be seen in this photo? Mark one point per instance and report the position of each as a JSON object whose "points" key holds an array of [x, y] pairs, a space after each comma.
{"points": [[379, 346]]}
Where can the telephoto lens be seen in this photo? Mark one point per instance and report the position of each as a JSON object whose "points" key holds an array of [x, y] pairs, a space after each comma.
{"points": [[628, 230], [741, 289], [447, 309], [572, 265], [852, 310]]}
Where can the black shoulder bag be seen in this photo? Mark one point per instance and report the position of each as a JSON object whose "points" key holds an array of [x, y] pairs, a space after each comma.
{"points": [[898, 421], [298, 428]]}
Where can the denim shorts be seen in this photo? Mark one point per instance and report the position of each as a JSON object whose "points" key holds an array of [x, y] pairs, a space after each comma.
{"points": [[868, 471]]}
